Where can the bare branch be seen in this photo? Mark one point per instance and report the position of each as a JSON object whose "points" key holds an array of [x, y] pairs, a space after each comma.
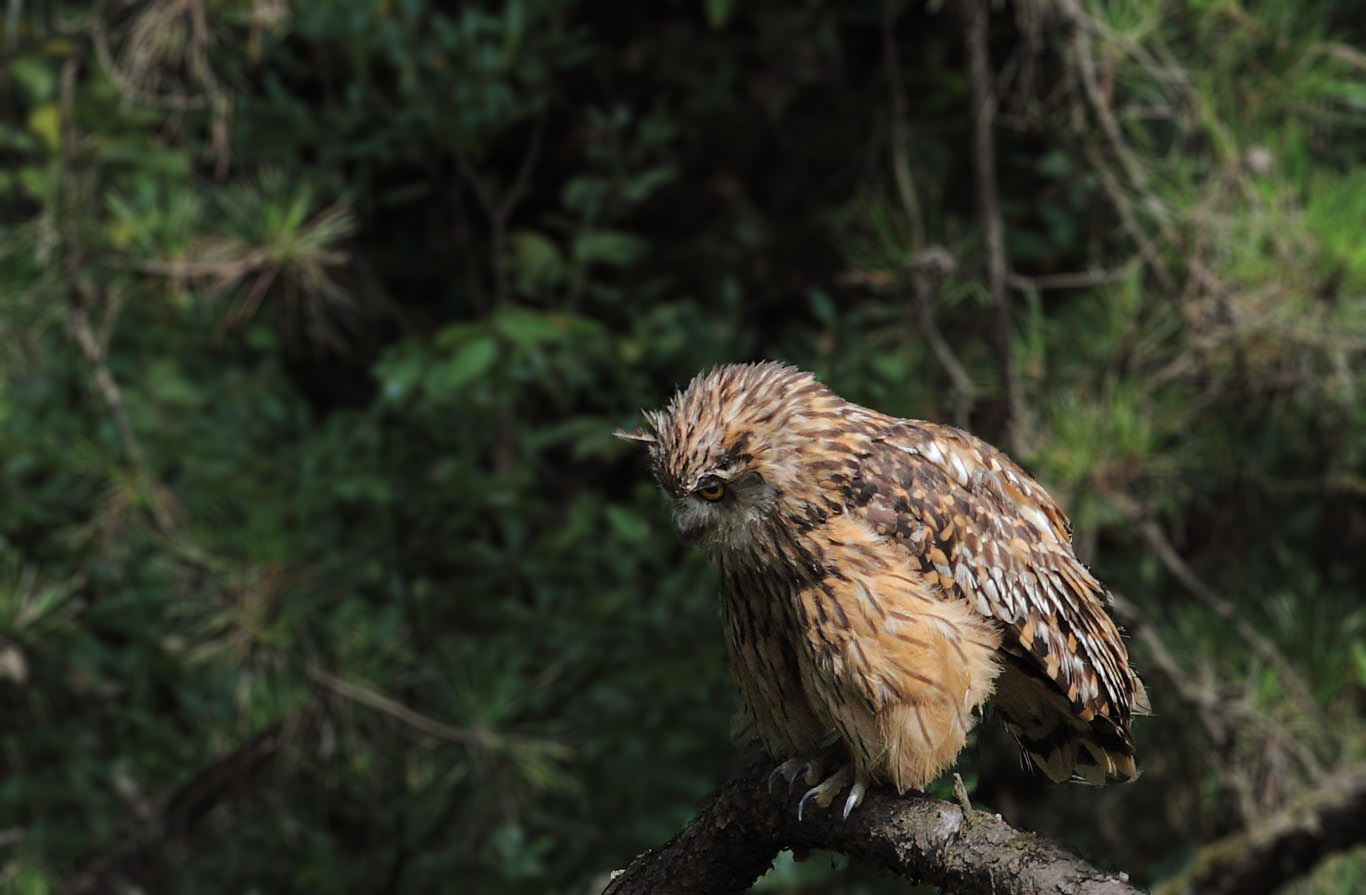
{"points": [[82, 296], [900, 133], [1237, 622], [148, 828], [1147, 249], [500, 209], [1230, 724], [475, 737], [963, 388], [1083, 61], [1327, 819], [371, 698], [975, 21], [735, 837], [1082, 279]]}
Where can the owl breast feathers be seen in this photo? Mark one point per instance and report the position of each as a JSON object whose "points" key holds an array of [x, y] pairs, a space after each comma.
{"points": [[881, 579]]}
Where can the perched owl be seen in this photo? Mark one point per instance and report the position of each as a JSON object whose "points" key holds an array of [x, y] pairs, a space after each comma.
{"points": [[882, 578]]}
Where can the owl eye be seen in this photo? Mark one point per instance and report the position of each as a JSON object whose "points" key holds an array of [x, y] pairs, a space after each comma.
{"points": [[711, 488]]}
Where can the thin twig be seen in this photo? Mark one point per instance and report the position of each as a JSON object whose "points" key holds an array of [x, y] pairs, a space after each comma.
{"points": [[1229, 723], [963, 388], [1083, 61], [499, 221], [1277, 848], [1206, 706], [1084, 58], [371, 698], [983, 113], [1157, 540], [143, 836], [960, 793], [900, 132], [227, 269], [1147, 249], [125, 87], [80, 299], [499, 210], [1083, 279]]}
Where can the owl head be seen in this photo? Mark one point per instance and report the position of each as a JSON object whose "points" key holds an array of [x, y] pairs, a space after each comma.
{"points": [[731, 449]]}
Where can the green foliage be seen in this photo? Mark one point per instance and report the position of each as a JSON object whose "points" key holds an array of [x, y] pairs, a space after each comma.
{"points": [[319, 567]]}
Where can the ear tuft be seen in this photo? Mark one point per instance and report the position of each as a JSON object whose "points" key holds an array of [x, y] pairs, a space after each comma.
{"points": [[639, 435], [646, 432]]}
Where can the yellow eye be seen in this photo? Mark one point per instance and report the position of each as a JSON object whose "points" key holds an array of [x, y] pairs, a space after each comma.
{"points": [[711, 490]]}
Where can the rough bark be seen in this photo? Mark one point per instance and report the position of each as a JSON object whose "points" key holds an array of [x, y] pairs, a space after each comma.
{"points": [[735, 837]]}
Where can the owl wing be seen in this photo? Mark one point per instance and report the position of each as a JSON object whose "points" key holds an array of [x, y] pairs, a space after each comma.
{"points": [[994, 538]]}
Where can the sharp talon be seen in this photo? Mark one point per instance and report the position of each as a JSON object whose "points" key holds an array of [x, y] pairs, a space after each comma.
{"points": [[855, 797], [812, 771], [788, 770], [801, 806], [826, 791]]}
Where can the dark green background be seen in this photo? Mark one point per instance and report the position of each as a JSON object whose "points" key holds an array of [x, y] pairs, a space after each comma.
{"points": [[319, 568]]}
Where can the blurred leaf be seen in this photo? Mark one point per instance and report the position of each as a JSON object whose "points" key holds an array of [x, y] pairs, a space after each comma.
{"points": [[608, 247], [44, 121], [718, 12], [36, 74], [1359, 660], [471, 359], [537, 262]]}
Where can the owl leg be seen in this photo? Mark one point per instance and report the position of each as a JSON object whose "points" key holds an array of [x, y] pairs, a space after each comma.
{"points": [[825, 792]]}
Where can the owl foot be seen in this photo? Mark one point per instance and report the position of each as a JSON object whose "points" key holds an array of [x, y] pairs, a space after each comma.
{"points": [[832, 786], [808, 770]]}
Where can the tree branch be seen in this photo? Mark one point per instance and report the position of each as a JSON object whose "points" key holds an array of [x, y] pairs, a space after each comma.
{"points": [[976, 16], [145, 832], [927, 264], [735, 837], [1237, 622], [1329, 818], [372, 698], [900, 133], [1232, 725]]}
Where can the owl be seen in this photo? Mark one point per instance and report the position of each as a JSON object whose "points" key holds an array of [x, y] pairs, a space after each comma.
{"points": [[883, 578]]}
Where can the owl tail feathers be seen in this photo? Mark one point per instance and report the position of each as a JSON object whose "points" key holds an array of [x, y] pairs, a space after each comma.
{"points": [[1058, 742], [1140, 705], [1080, 754]]}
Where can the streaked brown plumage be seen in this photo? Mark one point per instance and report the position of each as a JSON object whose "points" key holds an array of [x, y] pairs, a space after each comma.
{"points": [[881, 579]]}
